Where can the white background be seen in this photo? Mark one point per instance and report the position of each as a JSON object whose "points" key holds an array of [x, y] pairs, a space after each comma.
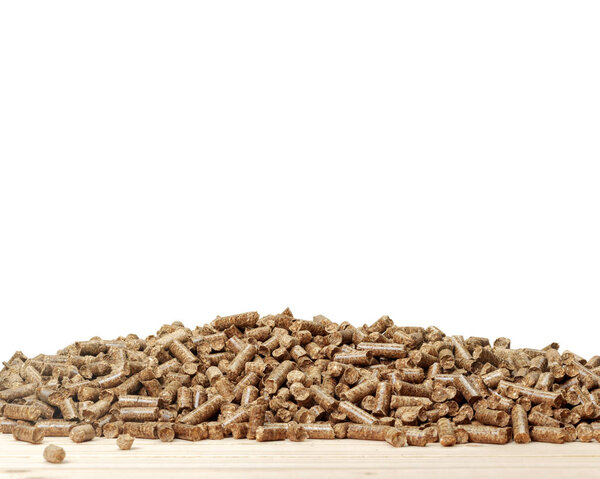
{"points": [[434, 161]]}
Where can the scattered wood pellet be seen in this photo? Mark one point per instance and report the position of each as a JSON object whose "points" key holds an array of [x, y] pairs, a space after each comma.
{"points": [[125, 441], [277, 377], [54, 454]]}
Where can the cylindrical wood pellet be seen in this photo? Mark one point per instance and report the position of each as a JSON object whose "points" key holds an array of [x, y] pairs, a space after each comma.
{"points": [[548, 434], [26, 433], [54, 454], [82, 433], [520, 425], [125, 441]]}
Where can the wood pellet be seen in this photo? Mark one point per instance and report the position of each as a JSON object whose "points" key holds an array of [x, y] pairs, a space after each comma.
{"points": [[276, 378], [54, 454]]}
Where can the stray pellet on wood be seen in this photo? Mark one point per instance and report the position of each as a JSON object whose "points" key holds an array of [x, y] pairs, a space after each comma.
{"points": [[278, 378], [125, 441], [54, 454]]}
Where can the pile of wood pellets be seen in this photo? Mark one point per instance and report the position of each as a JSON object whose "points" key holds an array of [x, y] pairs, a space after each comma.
{"points": [[277, 377]]}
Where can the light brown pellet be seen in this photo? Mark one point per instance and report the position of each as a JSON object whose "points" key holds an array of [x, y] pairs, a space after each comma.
{"points": [[487, 434], [82, 433], [165, 432], [185, 398], [244, 320], [26, 433], [356, 414], [383, 397], [548, 434], [446, 432], [215, 430], [360, 391], [520, 425], [236, 367], [539, 419], [384, 350], [585, 432], [404, 401], [319, 430], [112, 429], [278, 376], [18, 392], [296, 432], [357, 358], [139, 414], [416, 436], [137, 401], [203, 412], [124, 442], [272, 432], [97, 409], [323, 399], [395, 437], [190, 432], [56, 427], [371, 432], [141, 430], [239, 430], [54, 454], [466, 388], [492, 417], [22, 412], [256, 418], [7, 425]]}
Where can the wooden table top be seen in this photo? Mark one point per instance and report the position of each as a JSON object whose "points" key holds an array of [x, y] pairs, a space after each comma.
{"points": [[313, 459]]}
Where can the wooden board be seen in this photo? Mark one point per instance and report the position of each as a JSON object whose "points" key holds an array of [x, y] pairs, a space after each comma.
{"points": [[313, 459]]}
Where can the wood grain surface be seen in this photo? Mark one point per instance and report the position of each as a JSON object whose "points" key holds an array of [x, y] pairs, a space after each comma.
{"points": [[316, 459]]}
